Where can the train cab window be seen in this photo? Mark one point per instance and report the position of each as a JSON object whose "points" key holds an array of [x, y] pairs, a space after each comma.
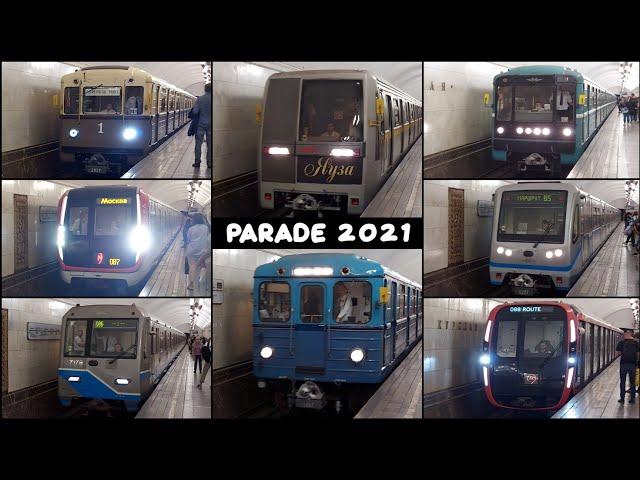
{"points": [[507, 343], [113, 220], [565, 98], [75, 338], [275, 302], [312, 304], [114, 338], [532, 216], [104, 100], [504, 103], [352, 302], [543, 338], [133, 105], [71, 100], [533, 103], [331, 111], [78, 221]]}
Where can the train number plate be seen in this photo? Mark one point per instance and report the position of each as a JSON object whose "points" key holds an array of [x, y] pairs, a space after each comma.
{"points": [[97, 169], [531, 378], [523, 291]]}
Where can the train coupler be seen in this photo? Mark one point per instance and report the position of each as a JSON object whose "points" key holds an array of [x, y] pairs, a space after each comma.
{"points": [[98, 164], [310, 396], [535, 161]]}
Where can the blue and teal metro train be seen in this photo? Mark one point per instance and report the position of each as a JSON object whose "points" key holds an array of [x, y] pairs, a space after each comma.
{"points": [[550, 111], [329, 327]]}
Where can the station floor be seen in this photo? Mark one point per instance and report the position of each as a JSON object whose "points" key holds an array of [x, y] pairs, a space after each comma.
{"points": [[400, 395], [612, 273], [401, 195], [613, 153], [172, 159], [177, 396], [599, 399]]}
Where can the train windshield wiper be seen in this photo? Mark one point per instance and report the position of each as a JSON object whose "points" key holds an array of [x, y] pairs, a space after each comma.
{"points": [[546, 232], [121, 354]]}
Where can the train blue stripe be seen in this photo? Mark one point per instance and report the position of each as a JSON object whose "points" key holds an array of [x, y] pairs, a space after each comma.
{"points": [[538, 267]]}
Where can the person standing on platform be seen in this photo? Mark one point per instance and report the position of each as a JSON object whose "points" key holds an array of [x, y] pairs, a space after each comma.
{"points": [[202, 109], [632, 105], [628, 348], [197, 354], [207, 357]]}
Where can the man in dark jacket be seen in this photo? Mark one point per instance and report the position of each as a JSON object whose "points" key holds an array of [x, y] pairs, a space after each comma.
{"points": [[628, 348], [208, 357], [202, 109]]}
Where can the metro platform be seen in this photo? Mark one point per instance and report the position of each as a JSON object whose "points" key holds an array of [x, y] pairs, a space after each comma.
{"points": [[400, 395], [599, 399], [401, 194], [613, 153], [612, 273], [176, 396], [172, 159]]}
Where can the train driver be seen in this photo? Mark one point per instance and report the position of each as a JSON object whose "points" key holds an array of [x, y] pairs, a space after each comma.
{"points": [[78, 342], [564, 104], [345, 303], [132, 107], [108, 109], [79, 224], [331, 132], [544, 347]]}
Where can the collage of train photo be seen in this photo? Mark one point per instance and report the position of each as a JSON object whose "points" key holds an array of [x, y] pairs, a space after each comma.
{"points": [[520, 300]]}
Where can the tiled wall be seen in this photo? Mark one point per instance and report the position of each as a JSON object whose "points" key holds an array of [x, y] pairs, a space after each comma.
{"points": [[456, 115], [453, 332], [32, 361], [42, 236], [29, 116], [237, 88], [232, 339], [477, 230]]}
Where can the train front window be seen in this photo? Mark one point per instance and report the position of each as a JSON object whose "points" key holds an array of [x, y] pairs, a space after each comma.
{"points": [[275, 302], [105, 100], [331, 111], [504, 103], [564, 107], [114, 338], [133, 103], [112, 220], [75, 338], [71, 100], [543, 338], [352, 302], [507, 344], [78, 221], [532, 216], [533, 103], [312, 303]]}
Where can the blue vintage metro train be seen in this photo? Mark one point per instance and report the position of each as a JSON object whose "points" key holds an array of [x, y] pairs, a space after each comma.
{"points": [[546, 110], [329, 327]]}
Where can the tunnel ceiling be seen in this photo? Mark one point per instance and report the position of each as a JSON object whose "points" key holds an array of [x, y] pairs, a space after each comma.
{"points": [[406, 76], [606, 74], [171, 192], [185, 75], [171, 311]]}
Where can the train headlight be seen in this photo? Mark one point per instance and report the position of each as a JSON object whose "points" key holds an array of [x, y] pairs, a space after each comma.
{"points": [[567, 132], [571, 361], [536, 131], [557, 252], [519, 130], [570, 377], [500, 130], [500, 250], [527, 131], [485, 376], [122, 381], [342, 152], [60, 236], [508, 252], [129, 133], [356, 355], [73, 379], [278, 151], [266, 352], [140, 239], [73, 133], [485, 359], [549, 254], [546, 131]]}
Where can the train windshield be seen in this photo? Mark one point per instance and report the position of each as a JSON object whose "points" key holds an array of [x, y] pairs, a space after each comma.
{"points": [[275, 302], [312, 303], [114, 338], [71, 100], [331, 111], [113, 219], [532, 216], [352, 302], [75, 338], [533, 103], [102, 99], [530, 331]]}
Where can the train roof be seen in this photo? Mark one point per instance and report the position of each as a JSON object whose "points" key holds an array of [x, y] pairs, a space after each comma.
{"points": [[130, 70], [549, 70], [337, 72], [359, 266], [553, 185]]}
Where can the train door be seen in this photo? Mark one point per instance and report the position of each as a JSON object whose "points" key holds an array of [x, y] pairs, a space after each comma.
{"points": [[403, 135], [20, 232], [576, 237], [310, 338], [402, 322], [394, 318], [397, 131], [145, 359], [154, 113], [388, 330], [388, 133]]}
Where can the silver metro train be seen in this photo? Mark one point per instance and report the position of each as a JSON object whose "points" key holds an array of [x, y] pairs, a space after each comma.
{"points": [[545, 234], [114, 353], [330, 138]]}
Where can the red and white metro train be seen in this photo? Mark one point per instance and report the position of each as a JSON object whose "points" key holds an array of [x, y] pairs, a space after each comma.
{"points": [[537, 355], [112, 233]]}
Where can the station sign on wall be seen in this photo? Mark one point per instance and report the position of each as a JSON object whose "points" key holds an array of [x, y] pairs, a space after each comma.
{"points": [[218, 291], [48, 214], [43, 331]]}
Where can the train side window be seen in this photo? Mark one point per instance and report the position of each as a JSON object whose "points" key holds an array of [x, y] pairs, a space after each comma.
{"points": [[71, 100], [163, 100], [507, 338], [352, 302], [134, 96], [75, 338], [402, 310], [312, 303], [575, 227], [154, 102], [275, 302], [78, 220], [396, 113]]}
